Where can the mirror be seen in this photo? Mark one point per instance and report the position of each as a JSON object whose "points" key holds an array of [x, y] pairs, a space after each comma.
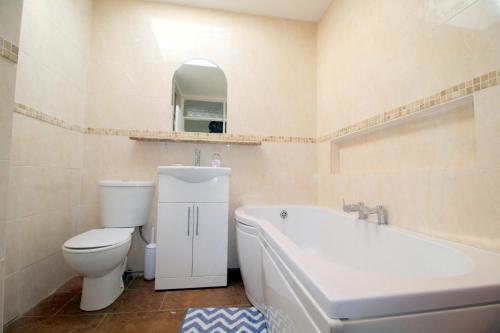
{"points": [[199, 98]]}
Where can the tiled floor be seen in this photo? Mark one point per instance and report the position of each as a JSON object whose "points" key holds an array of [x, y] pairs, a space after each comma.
{"points": [[138, 309]]}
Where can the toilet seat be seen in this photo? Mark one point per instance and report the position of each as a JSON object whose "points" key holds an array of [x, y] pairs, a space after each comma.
{"points": [[96, 239]]}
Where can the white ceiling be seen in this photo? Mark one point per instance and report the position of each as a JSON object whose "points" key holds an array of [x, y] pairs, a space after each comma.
{"points": [[303, 10]]}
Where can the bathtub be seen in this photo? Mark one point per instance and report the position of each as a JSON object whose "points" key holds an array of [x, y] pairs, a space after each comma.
{"points": [[311, 269]]}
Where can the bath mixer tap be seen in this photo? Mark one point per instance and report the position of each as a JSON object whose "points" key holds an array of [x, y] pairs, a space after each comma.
{"points": [[197, 157], [364, 211]]}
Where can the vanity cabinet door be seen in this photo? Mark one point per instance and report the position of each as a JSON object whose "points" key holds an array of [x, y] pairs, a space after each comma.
{"points": [[175, 240], [210, 239]]}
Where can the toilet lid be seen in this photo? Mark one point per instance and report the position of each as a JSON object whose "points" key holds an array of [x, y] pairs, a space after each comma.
{"points": [[97, 238]]}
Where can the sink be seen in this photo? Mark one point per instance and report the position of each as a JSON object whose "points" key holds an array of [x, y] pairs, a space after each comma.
{"points": [[193, 174]]}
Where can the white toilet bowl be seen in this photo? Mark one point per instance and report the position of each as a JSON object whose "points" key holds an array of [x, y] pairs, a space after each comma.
{"points": [[100, 255]]}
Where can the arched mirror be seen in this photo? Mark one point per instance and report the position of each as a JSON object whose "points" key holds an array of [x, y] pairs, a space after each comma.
{"points": [[199, 97]]}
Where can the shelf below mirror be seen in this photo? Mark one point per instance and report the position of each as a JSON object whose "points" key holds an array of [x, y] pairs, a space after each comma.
{"points": [[197, 138]]}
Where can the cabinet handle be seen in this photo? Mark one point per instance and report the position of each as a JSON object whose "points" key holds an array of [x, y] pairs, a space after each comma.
{"points": [[189, 217], [197, 219]]}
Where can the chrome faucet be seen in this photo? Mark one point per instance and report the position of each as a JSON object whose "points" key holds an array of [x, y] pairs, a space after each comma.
{"points": [[197, 157], [364, 211]]}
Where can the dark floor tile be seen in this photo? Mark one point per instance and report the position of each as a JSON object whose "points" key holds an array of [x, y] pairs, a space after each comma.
{"points": [[138, 309], [135, 300], [70, 324], [74, 285], [73, 308], [144, 322], [51, 304], [210, 297], [24, 324]]}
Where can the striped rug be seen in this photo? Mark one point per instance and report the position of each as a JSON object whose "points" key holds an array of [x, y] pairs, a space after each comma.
{"points": [[224, 320]]}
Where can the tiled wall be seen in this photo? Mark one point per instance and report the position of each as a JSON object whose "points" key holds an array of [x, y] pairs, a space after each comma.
{"points": [[45, 160], [270, 68], [10, 22], [436, 175], [137, 46]]}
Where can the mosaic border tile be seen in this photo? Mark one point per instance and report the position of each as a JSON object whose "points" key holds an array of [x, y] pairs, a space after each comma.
{"points": [[35, 114], [453, 93], [158, 135], [460, 90], [9, 50]]}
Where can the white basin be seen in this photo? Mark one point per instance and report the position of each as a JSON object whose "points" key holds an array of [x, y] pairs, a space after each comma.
{"points": [[193, 174]]}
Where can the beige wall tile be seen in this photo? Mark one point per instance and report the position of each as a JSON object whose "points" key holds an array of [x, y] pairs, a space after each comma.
{"points": [[10, 16], [53, 58], [487, 115], [4, 180], [440, 141], [11, 297], [28, 295], [2, 274], [431, 174], [89, 218], [35, 282], [31, 251], [464, 205], [7, 84], [35, 143], [35, 190], [12, 247]]}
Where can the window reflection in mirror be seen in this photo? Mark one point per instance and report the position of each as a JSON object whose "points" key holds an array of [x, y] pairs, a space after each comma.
{"points": [[199, 98]]}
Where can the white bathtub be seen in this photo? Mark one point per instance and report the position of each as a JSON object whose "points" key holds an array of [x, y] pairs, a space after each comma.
{"points": [[318, 270]]}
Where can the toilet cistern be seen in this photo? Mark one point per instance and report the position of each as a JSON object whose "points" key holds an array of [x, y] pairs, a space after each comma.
{"points": [[364, 211]]}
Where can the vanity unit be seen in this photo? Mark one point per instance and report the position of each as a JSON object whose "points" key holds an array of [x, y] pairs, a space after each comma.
{"points": [[192, 227]]}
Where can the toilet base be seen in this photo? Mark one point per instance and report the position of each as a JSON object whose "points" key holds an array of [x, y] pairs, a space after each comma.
{"points": [[100, 292]]}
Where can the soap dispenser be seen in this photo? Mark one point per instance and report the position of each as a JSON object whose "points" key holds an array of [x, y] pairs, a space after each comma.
{"points": [[215, 162]]}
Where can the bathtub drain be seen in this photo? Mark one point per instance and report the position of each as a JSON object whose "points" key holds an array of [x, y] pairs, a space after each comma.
{"points": [[284, 214]]}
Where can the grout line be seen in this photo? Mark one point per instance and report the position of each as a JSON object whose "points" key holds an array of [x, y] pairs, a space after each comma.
{"points": [[99, 323], [18, 164], [115, 313], [62, 307], [163, 299]]}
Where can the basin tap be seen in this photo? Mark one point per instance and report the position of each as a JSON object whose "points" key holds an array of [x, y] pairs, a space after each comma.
{"points": [[197, 157], [364, 211]]}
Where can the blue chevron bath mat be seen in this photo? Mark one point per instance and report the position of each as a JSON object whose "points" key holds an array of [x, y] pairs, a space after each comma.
{"points": [[224, 320]]}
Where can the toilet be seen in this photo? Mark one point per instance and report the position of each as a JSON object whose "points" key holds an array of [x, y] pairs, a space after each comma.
{"points": [[100, 255]]}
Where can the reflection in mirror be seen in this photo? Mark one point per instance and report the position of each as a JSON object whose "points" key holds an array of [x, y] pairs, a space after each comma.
{"points": [[199, 97]]}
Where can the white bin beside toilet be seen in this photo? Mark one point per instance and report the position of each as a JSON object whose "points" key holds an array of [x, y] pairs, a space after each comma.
{"points": [[100, 255]]}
